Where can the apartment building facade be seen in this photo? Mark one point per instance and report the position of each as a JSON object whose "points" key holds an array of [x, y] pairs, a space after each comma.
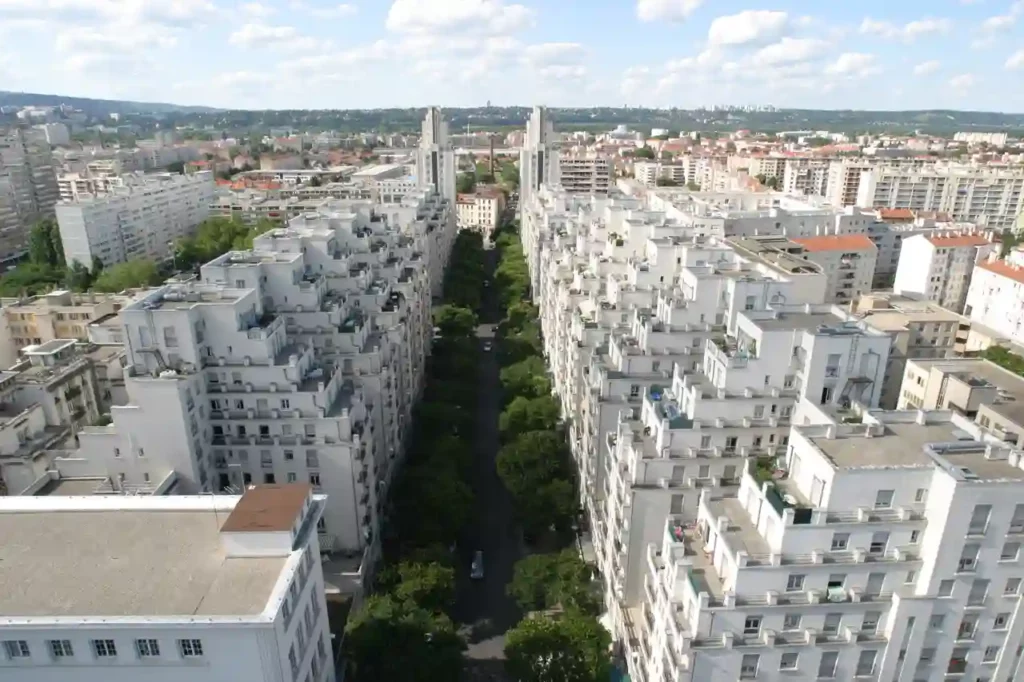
{"points": [[480, 210], [847, 260], [589, 174], [56, 315], [885, 549], [140, 220], [995, 297], [435, 157], [159, 587], [28, 186], [939, 267], [538, 157]]}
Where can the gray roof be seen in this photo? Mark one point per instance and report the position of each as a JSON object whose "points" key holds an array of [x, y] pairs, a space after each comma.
{"points": [[130, 563]]}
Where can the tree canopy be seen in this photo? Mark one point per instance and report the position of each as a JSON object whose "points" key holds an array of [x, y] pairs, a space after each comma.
{"points": [[129, 275], [529, 414], [216, 236], [526, 378], [555, 580], [571, 648]]}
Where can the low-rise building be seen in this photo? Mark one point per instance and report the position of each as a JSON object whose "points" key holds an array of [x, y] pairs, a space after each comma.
{"points": [[56, 315], [481, 210], [205, 588]]}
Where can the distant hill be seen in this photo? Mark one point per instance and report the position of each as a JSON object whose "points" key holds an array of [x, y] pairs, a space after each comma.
{"points": [[96, 107]]}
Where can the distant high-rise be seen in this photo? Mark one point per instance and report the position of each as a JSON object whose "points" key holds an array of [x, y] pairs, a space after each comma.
{"points": [[538, 160], [435, 161], [28, 186]]}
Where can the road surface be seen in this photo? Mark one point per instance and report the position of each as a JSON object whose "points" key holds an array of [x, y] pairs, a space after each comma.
{"points": [[482, 607]]}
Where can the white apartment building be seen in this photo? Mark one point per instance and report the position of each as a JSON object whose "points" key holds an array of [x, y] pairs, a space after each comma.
{"points": [[141, 220], [996, 297], [803, 175], [298, 361], [481, 210], [676, 357], [204, 588], [585, 174], [992, 139], [848, 261], [939, 267], [538, 158], [648, 173], [887, 549], [56, 134], [74, 185], [435, 158], [990, 197], [842, 187]]}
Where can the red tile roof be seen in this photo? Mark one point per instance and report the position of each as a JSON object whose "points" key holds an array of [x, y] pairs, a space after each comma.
{"points": [[895, 214], [836, 242], [1001, 267], [952, 240], [268, 508]]}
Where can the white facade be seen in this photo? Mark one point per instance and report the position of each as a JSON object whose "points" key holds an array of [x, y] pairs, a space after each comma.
{"points": [[996, 297], [142, 220], [848, 262], [648, 173], [585, 174], [939, 268], [888, 549], [57, 134], [538, 159], [297, 361], [480, 211], [435, 158], [28, 186], [993, 139], [990, 197], [199, 588], [74, 185]]}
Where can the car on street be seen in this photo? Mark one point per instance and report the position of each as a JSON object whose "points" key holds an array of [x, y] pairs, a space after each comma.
{"points": [[476, 569], [487, 345]]}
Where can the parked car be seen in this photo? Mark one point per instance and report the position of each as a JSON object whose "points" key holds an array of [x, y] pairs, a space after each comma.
{"points": [[476, 569]]}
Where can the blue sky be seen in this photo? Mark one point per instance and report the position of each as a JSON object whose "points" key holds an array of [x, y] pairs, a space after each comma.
{"points": [[871, 54]]}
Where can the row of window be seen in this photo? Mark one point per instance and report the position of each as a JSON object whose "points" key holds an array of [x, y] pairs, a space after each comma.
{"points": [[827, 664], [60, 649]]}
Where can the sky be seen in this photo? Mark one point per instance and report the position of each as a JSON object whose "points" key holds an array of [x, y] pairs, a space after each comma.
{"points": [[303, 54]]}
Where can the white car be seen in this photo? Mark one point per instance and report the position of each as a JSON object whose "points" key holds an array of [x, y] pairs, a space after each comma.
{"points": [[487, 345], [476, 569]]}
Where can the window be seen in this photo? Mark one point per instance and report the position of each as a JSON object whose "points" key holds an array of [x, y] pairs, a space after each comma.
{"points": [[827, 664], [795, 582], [866, 663], [920, 495], [1001, 622], [832, 623], [870, 623], [791, 621], [945, 588], [910, 577], [840, 541], [979, 590], [883, 499], [16, 648], [752, 625], [927, 655], [147, 648], [104, 648], [61, 648], [788, 661], [292, 477], [314, 480], [935, 622], [915, 536], [1012, 586], [979, 519], [991, 654], [748, 666], [879, 541], [190, 648], [1010, 551]]}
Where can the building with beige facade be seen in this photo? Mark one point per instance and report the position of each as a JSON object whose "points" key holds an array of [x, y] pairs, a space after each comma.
{"points": [[480, 210], [56, 315]]}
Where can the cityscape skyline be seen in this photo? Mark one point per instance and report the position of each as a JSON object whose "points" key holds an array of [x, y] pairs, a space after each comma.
{"points": [[683, 53]]}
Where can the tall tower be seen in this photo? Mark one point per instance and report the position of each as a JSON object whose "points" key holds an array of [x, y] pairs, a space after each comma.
{"points": [[435, 161], [538, 159]]}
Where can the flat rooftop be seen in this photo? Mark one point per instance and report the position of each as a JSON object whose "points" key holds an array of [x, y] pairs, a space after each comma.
{"points": [[810, 321], [91, 561], [978, 373], [899, 445]]}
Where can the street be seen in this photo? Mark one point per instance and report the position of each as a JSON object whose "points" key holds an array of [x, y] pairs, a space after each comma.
{"points": [[482, 607]]}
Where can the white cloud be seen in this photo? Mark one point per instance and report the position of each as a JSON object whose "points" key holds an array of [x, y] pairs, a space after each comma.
{"points": [[562, 72], [706, 60], [853, 65], [105, 41], [1002, 22], [790, 50], [1016, 60], [257, 9], [335, 12], [256, 35], [962, 82], [926, 68], [666, 10], [749, 26], [908, 32], [554, 53], [440, 16]]}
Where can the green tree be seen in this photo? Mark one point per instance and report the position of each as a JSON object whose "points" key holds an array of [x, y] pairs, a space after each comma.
{"points": [[44, 244], [560, 579], [693, 186], [518, 315], [134, 273], [29, 279], [176, 167], [465, 183], [529, 414], [389, 640], [571, 648], [431, 504], [772, 183], [78, 277], [535, 470], [527, 378], [428, 586], [509, 174], [455, 322], [644, 152]]}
